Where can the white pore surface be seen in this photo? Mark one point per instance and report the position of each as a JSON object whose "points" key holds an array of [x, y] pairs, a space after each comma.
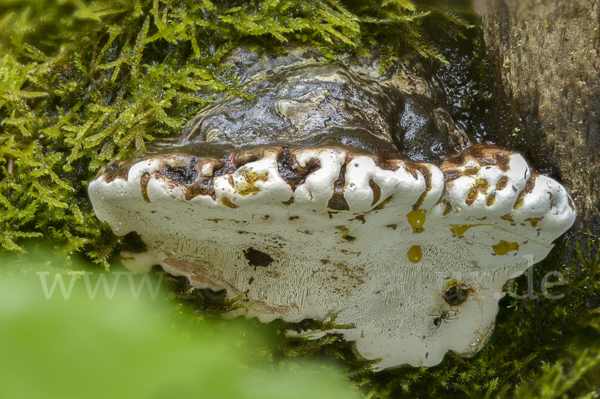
{"points": [[353, 264]]}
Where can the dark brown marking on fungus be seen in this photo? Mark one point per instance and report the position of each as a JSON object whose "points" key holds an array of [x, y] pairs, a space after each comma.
{"points": [[179, 176], [115, 170], [451, 175], [144, 185], [285, 165], [383, 203], [291, 172], [491, 199], [533, 221], [257, 258], [387, 163], [392, 226], [484, 154], [448, 207], [376, 192], [412, 167], [227, 202], [527, 190], [241, 158], [360, 218], [288, 202], [571, 205], [346, 252], [225, 166], [337, 201], [202, 186], [293, 217]]}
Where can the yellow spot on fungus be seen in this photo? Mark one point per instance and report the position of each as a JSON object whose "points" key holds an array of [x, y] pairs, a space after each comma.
{"points": [[227, 202], [504, 246], [480, 186], [250, 186], [520, 200], [454, 282], [501, 185], [448, 208], [508, 218], [416, 218], [414, 254], [460, 229]]}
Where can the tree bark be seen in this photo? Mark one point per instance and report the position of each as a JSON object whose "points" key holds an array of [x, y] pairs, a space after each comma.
{"points": [[545, 63]]}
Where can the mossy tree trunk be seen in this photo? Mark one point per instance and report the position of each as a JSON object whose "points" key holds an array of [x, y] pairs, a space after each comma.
{"points": [[545, 62]]}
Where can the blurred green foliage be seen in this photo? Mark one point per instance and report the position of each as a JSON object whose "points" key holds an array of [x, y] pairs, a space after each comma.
{"points": [[576, 376], [119, 335]]}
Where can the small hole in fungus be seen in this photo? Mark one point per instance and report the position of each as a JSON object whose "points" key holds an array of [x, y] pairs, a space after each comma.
{"points": [[133, 242], [455, 295], [257, 258]]}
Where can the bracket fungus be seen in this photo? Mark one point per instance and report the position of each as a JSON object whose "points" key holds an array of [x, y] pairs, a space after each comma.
{"points": [[312, 212]]}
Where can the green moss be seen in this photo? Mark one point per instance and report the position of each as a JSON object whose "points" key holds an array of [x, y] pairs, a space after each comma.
{"points": [[84, 84]]}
